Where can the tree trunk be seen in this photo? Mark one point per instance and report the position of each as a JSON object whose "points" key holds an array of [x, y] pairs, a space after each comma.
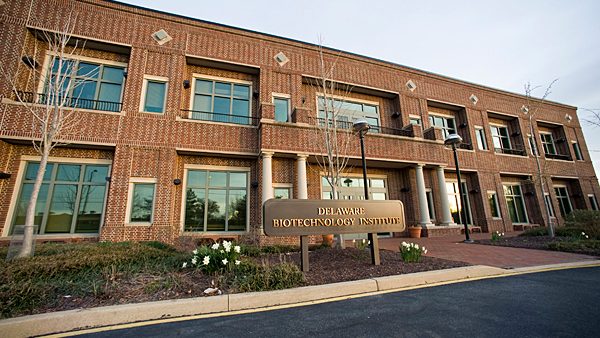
{"points": [[28, 235]]}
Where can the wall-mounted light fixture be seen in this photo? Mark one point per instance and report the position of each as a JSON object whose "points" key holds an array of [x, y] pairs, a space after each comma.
{"points": [[177, 181], [4, 176], [186, 84], [30, 61]]}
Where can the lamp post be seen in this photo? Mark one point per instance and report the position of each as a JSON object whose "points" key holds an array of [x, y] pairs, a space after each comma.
{"points": [[361, 127], [454, 140]]}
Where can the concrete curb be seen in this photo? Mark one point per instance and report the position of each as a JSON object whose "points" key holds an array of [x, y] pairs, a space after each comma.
{"points": [[65, 321]]}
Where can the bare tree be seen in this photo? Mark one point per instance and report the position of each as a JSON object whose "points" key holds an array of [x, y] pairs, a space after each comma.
{"points": [[531, 109], [52, 112], [594, 119], [333, 132]]}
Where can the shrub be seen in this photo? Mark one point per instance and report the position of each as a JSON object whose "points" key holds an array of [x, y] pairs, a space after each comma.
{"points": [[535, 232], [590, 247], [497, 235], [587, 221], [219, 257], [411, 252], [249, 276]]}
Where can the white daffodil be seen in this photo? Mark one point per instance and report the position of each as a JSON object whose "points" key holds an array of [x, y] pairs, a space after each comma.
{"points": [[206, 260], [416, 246], [215, 246], [237, 262], [222, 251], [237, 249], [227, 248], [424, 251], [195, 252], [225, 261], [184, 265], [194, 261]]}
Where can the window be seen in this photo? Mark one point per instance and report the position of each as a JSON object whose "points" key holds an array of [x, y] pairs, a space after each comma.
{"points": [[221, 100], [430, 204], [577, 151], [141, 206], [515, 203], [500, 138], [348, 111], [71, 198], [481, 142], [494, 206], [593, 201], [445, 123], [532, 145], [564, 203], [548, 144], [351, 188], [282, 109], [282, 193], [87, 83], [414, 120], [549, 205], [154, 94], [454, 200], [216, 200]]}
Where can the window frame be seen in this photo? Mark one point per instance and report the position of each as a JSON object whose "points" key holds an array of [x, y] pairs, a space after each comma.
{"points": [[288, 186], [560, 198], [522, 198], [415, 118], [286, 97], [445, 128], [500, 137], [46, 73], [351, 100], [208, 168], [593, 202], [12, 208], [132, 182], [548, 201], [430, 203], [496, 210], [480, 136], [199, 76], [156, 79], [546, 144], [577, 151]]}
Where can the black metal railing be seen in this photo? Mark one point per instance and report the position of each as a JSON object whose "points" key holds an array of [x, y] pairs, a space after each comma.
{"points": [[343, 124], [72, 102], [559, 157], [511, 151], [218, 117]]}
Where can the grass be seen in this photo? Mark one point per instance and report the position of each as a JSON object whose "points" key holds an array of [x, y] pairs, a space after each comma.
{"points": [[56, 270]]}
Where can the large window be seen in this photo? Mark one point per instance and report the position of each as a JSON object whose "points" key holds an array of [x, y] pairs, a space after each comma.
{"points": [[494, 206], [216, 201], [71, 198], [454, 199], [282, 109], [142, 203], [564, 203], [447, 124], [351, 188], [221, 101], [84, 84], [500, 138], [347, 111], [548, 144], [154, 94], [481, 142], [515, 203]]}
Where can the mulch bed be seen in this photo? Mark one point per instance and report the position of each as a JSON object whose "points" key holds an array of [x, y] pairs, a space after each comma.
{"points": [[526, 242], [326, 266]]}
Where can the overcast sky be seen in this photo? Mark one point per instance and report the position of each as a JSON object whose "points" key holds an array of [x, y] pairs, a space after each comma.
{"points": [[501, 44]]}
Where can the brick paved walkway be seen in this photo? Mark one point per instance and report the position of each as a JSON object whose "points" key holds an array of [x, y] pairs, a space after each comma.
{"points": [[452, 248]]}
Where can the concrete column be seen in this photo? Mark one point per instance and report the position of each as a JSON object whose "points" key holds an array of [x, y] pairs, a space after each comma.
{"points": [[267, 176], [422, 197], [446, 216], [302, 181]]}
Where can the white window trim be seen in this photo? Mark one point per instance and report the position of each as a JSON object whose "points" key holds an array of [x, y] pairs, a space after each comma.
{"points": [[499, 212], [595, 199], [510, 145], [196, 76], [284, 97], [567, 192], [289, 186], [147, 78], [485, 145], [19, 184], [186, 168], [132, 182], [432, 209], [574, 153]]}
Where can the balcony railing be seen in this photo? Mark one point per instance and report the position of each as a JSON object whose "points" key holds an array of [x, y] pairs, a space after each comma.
{"points": [[511, 151], [341, 124], [559, 157], [72, 102], [218, 117]]}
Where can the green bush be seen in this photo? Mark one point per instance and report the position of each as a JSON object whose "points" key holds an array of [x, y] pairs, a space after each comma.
{"points": [[589, 247], [587, 221], [77, 270], [535, 232], [559, 232], [249, 276]]}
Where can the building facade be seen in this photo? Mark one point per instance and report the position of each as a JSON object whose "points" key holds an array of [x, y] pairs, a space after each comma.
{"points": [[187, 126]]}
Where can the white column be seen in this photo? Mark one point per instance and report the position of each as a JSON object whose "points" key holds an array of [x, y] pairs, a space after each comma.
{"points": [[422, 197], [267, 176], [446, 215], [302, 181]]}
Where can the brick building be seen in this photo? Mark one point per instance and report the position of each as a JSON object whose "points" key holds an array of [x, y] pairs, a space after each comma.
{"points": [[180, 111]]}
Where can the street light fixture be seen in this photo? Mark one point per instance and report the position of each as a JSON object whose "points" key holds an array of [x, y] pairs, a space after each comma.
{"points": [[361, 127], [454, 140]]}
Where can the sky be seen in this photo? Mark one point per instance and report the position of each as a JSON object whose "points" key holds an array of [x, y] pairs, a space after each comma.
{"points": [[500, 44]]}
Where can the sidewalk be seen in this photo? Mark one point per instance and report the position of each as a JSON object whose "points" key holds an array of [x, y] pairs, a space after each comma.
{"points": [[452, 248]]}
